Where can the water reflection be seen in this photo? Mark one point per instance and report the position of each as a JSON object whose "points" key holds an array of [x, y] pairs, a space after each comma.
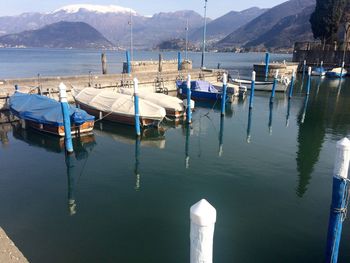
{"points": [[303, 115], [270, 118], [137, 163], [221, 135], [288, 112], [4, 130], [187, 145], [249, 126]]}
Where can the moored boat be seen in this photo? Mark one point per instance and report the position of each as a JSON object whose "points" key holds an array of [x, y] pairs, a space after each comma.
{"points": [[173, 106], [201, 90], [45, 114], [318, 71], [337, 73], [117, 107], [262, 85]]}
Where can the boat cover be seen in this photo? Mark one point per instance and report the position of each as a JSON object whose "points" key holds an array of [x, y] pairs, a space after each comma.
{"points": [[111, 101], [44, 110], [160, 99], [339, 71], [198, 85]]}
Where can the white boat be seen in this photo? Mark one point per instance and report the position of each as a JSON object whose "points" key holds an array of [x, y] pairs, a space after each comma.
{"points": [[263, 85], [117, 107], [337, 73], [173, 106]]}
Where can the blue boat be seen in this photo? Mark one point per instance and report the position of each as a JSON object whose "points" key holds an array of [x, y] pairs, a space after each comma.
{"points": [[337, 73], [45, 114], [200, 90]]}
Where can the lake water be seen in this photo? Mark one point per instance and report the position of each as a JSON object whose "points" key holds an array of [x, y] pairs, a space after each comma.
{"points": [[122, 200]]}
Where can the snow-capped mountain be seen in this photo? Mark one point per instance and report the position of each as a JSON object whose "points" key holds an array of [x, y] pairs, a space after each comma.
{"points": [[102, 9], [112, 21]]}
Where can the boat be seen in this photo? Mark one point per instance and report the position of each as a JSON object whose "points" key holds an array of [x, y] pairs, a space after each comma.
{"points": [[204, 90], [174, 107], [318, 71], [45, 114], [262, 85], [337, 73], [117, 107]]}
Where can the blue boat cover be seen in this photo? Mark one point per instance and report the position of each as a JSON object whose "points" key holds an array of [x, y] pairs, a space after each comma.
{"points": [[44, 110], [198, 85]]}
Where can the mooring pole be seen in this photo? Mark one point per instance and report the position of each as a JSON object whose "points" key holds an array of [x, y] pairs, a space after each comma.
{"points": [[252, 87], [16, 88], [179, 62], [136, 107], [128, 63], [204, 34], [189, 112], [321, 65], [66, 118], [203, 218], [342, 69], [267, 62], [274, 85], [224, 91], [291, 85], [160, 63], [104, 63], [339, 199], [308, 87]]}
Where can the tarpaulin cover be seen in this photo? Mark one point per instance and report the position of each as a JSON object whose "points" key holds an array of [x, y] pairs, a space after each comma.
{"points": [[198, 85], [44, 110]]}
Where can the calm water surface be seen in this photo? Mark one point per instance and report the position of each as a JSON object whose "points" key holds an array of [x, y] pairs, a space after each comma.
{"points": [[122, 200]]}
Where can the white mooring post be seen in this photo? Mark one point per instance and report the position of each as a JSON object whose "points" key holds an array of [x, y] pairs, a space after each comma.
{"points": [[203, 218]]}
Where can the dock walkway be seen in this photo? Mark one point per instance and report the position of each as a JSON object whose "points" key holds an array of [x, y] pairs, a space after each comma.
{"points": [[9, 253]]}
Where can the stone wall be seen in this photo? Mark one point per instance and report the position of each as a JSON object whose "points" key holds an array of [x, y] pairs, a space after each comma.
{"points": [[153, 66]]}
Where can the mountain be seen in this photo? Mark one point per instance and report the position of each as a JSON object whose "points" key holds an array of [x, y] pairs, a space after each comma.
{"points": [[59, 35], [226, 24], [112, 21], [273, 23]]}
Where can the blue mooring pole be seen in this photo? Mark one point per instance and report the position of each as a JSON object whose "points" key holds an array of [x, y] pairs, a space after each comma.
{"points": [[16, 88], [339, 200], [267, 62], [274, 86], [66, 118], [291, 85], [187, 146], [308, 82], [224, 91], [179, 61], [128, 63], [342, 69], [252, 87], [188, 112], [136, 107]]}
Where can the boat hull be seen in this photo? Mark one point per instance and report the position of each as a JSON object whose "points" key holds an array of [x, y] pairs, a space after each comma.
{"points": [[117, 117], [261, 86], [335, 75], [85, 128], [200, 95]]}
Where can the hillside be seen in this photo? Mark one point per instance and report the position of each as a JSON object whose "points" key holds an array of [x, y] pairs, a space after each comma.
{"points": [[111, 21], [273, 23], [58, 35], [226, 24]]}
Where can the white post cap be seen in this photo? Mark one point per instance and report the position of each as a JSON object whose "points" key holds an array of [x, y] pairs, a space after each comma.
{"points": [[276, 74], [304, 62], [342, 158], [321, 63], [189, 81], [293, 73], [343, 64], [136, 85], [309, 71], [253, 76], [203, 213], [224, 79], [63, 92]]}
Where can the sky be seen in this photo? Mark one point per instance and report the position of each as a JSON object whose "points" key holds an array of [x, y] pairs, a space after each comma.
{"points": [[144, 7]]}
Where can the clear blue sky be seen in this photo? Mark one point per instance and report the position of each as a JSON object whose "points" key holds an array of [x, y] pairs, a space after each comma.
{"points": [[216, 8]]}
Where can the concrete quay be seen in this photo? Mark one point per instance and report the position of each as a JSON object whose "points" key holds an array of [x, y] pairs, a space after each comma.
{"points": [[154, 81], [9, 253]]}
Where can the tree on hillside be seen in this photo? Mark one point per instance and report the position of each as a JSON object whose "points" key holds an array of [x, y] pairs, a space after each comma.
{"points": [[326, 18]]}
